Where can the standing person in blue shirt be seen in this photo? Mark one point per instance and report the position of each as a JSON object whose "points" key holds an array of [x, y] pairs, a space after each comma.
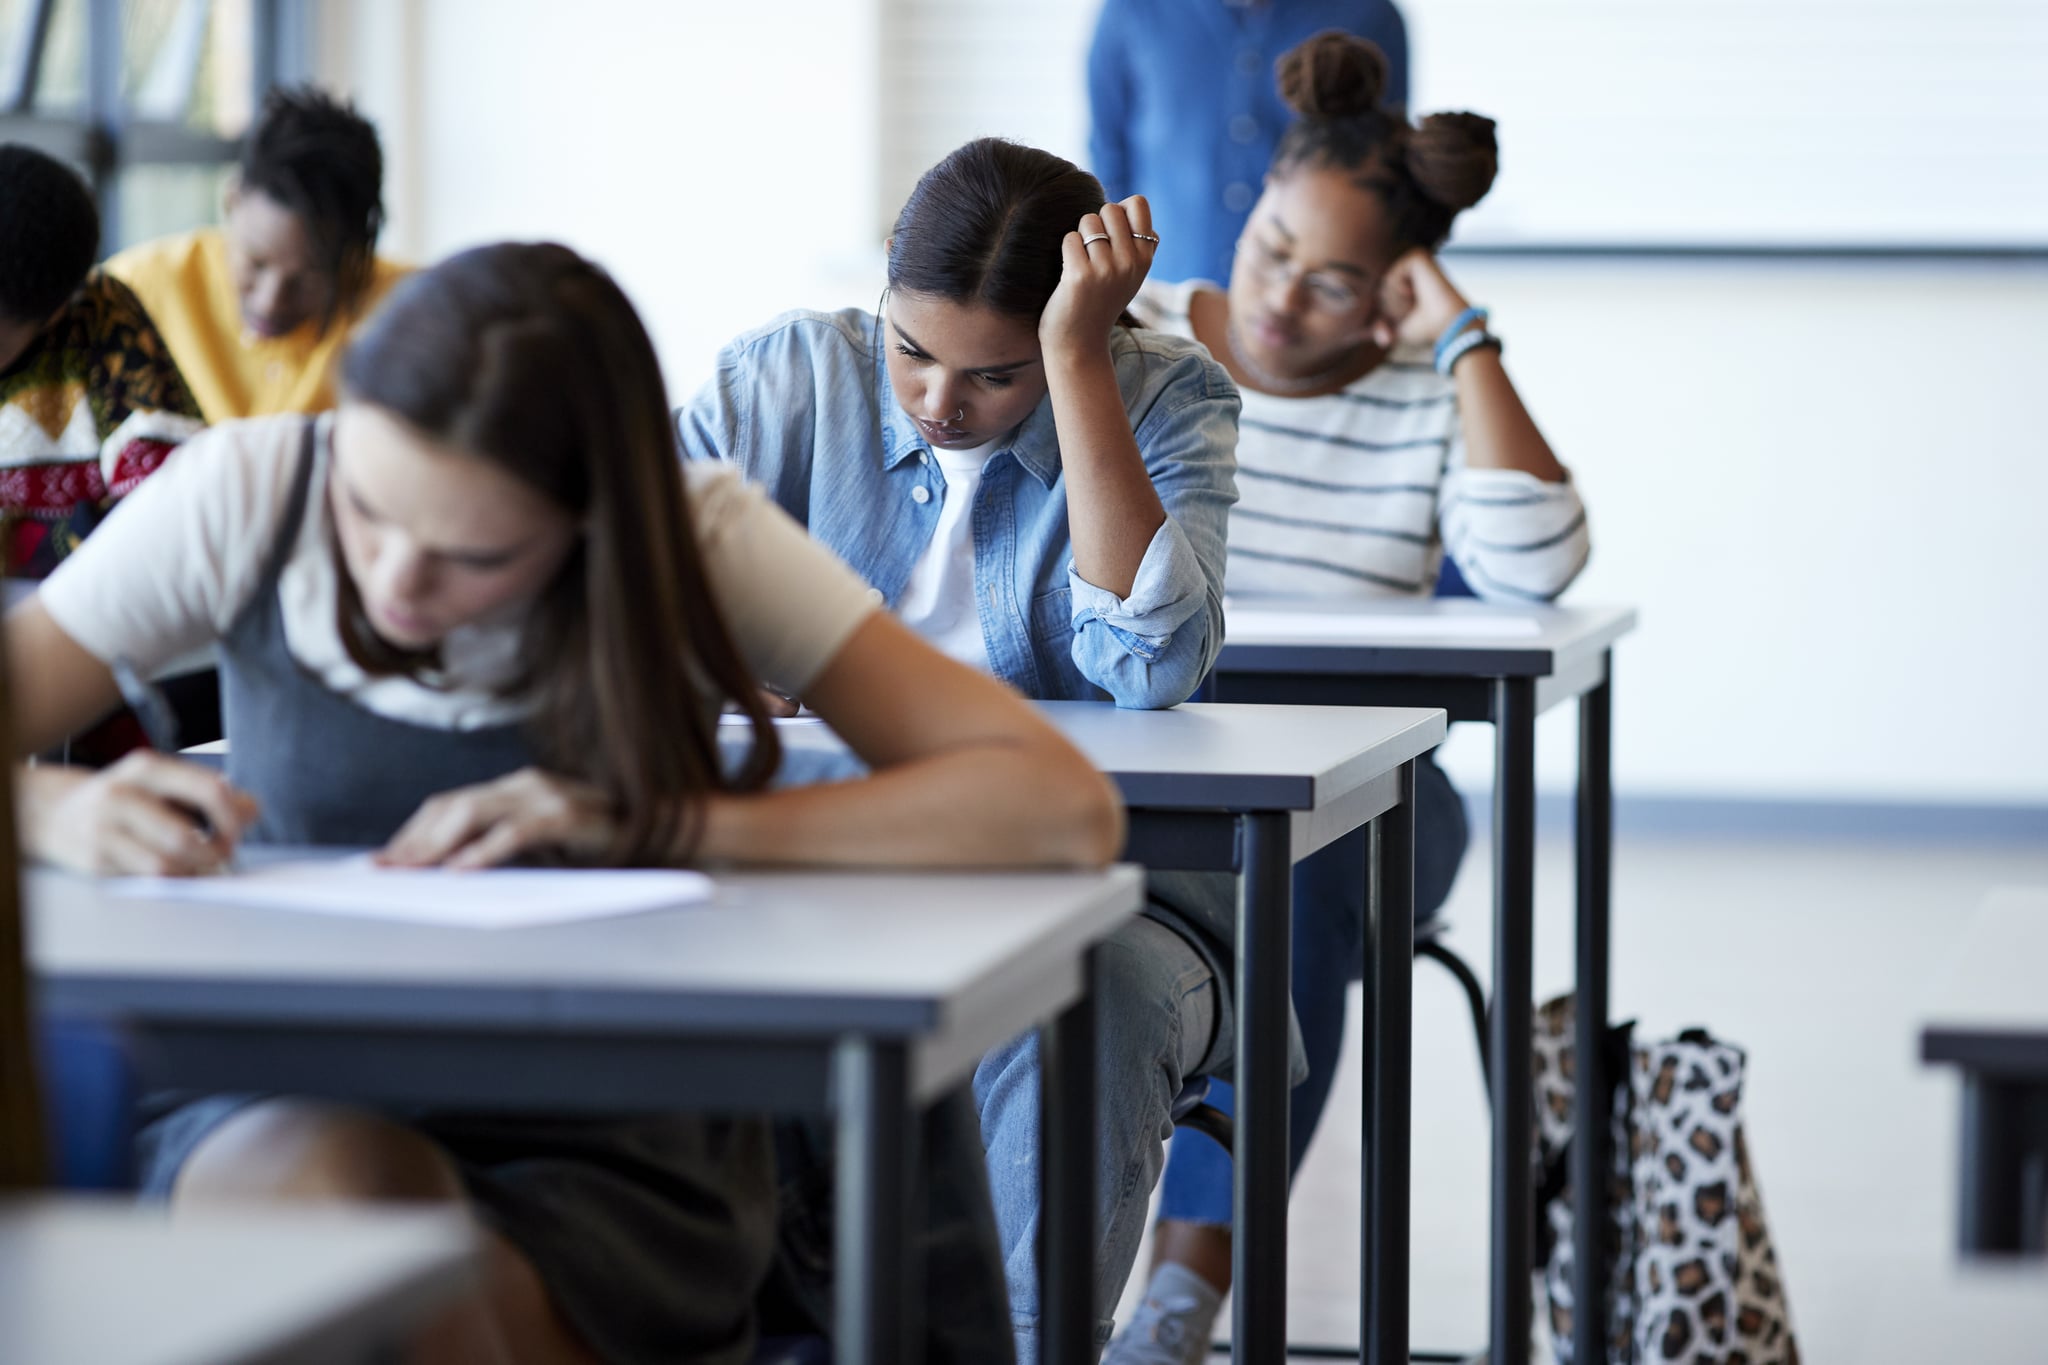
{"points": [[1182, 107], [1041, 491], [1382, 438]]}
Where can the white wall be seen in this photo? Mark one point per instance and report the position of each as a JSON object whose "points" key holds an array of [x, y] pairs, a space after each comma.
{"points": [[719, 159], [1824, 483]]}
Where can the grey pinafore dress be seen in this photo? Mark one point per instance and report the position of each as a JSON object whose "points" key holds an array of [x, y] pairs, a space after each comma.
{"points": [[653, 1234]]}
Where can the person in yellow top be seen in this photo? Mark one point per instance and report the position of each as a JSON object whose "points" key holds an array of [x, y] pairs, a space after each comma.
{"points": [[256, 312]]}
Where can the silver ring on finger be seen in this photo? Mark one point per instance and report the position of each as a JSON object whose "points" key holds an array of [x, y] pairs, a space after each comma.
{"points": [[1098, 237], [1146, 237]]}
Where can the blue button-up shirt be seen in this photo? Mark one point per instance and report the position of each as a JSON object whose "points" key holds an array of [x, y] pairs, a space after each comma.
{"points": [[803, 406], [1185, 109]]}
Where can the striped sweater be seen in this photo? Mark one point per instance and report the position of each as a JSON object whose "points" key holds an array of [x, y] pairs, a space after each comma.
{"points": [[1360, 493]]}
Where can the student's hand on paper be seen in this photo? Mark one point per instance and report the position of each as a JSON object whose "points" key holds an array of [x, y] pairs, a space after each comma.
{"points": [[149, 815], [1417, 301], [1098, 279], [530, 811]]}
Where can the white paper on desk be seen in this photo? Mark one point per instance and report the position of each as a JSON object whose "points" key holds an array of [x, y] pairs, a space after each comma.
{"points": [[497, 898], [1253, 625], [800, 718]]}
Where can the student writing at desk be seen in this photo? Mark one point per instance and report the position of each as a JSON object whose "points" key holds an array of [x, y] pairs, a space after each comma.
{"points": [[1040, 490], [257, 311], [1380, 432], [482, 612]]}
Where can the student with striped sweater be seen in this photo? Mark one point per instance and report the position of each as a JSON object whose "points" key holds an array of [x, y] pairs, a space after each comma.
{"points": [[1379, 432]]}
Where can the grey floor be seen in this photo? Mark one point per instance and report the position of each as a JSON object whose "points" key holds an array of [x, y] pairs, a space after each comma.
{"points": [[1813, 956]]}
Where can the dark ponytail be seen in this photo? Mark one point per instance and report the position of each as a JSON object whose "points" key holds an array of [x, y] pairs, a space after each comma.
{"points": [[1426, 174], [984, 226]]}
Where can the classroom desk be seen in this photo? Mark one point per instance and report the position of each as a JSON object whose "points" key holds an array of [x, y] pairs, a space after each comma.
{"points": [[1989, 1019], [868, 994], [1320, 652], [101, 1282], [1252, 790]]}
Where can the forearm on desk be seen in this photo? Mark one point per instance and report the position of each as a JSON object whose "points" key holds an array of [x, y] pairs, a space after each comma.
{"points": [[38, 789], [985, 806]]}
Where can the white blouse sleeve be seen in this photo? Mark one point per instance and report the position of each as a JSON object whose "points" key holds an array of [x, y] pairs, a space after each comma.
{"points": [[789, 602], [176, 560]]}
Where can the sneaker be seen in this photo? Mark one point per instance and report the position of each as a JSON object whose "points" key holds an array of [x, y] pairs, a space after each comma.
{"points": [[1173, 1324]]}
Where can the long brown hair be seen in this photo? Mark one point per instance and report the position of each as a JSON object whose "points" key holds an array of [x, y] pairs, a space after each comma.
{"points": [[1425, 173], [21, 1112], [530, 357]]}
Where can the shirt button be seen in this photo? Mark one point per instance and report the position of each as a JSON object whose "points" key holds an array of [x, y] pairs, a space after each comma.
{"points": [[920, 494], [1237, 196], [875, 595], [1244, 129], [1249, 62]]}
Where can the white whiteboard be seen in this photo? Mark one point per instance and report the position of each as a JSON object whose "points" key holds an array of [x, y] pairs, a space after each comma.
{"points": [[1857, 124]]}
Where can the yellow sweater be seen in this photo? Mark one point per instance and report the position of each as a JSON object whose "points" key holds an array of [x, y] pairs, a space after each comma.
{"points": [[184, 283]]}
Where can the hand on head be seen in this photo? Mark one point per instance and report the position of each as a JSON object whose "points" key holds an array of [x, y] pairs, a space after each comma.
{"points": [[1103, 263], [1416, 302]]}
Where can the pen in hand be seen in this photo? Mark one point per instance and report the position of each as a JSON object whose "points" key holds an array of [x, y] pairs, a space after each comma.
{"points": [[159, 723]]}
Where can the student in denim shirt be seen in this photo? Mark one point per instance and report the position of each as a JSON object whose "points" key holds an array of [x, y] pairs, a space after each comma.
{"points": [[1042, 491]]}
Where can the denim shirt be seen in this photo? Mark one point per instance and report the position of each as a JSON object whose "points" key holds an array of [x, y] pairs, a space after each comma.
{"points": [[803, 406]]}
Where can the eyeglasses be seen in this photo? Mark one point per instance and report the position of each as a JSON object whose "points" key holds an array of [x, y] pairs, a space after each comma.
{"points": [[1270, 266]]}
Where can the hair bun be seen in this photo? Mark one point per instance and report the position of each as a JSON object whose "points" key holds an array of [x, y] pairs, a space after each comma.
{"points": [[1332, 75], [1454, 158]]}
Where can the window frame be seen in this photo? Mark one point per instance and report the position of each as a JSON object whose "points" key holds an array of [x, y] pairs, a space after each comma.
{"points": [[107, 137]]}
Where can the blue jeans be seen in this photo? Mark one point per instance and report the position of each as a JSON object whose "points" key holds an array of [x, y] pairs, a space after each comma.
{"points": [[1156, 1013], [1329, 943]]}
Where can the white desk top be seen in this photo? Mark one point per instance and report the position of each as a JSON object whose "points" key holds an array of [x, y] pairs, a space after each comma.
{"points": [[1208, 755], [1456, 637], [109, 1283], [894, 954]]}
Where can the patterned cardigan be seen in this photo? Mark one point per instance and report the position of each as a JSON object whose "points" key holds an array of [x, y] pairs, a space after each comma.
{"points": [[88, 411]]}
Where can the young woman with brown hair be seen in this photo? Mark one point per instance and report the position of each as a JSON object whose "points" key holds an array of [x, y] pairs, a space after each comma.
{"points": [[1040, 489], [483, 612]]}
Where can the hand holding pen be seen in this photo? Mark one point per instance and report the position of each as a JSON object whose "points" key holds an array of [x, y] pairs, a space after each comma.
{"points": [[152, 813]]}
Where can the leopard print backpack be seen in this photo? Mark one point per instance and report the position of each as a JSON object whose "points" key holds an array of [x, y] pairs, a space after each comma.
{"points": [[1695, 1275]]}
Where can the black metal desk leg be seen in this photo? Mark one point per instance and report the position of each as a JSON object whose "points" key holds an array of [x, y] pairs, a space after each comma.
{"points": [[1514, 905], [1259, 1172], [1067, 1238], [1389, 978], [1993, 1156], [1592, 1143], [874, 1323]]}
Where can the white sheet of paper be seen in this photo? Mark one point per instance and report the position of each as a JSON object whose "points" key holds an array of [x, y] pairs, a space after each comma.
{"points": [[1253, 625], [800, 718], [499, 898]]}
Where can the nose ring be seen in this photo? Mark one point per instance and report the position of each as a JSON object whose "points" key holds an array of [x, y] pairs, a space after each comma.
{"points": [[960, 414]]}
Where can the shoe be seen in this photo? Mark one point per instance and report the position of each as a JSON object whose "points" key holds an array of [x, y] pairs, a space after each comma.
{"points": [[1172, 1325]]}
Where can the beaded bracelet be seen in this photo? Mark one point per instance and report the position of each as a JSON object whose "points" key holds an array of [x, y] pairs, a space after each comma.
{"points": [[1462, 344], [1457, 329]]}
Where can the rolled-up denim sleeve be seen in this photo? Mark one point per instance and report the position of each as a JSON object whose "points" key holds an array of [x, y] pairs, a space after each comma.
{"points": [[1152, 648]]}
